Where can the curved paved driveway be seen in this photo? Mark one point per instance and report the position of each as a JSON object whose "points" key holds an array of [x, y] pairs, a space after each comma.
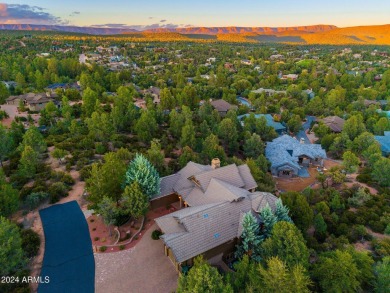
{"points": [[142, 269]]}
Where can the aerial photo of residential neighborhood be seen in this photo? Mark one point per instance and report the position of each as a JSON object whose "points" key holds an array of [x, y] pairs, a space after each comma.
{"points": [[235, 146]]}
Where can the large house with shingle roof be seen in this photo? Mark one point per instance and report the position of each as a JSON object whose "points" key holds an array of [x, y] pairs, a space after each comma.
{"points": [[215, 199], [287, 156], [33, 101]]}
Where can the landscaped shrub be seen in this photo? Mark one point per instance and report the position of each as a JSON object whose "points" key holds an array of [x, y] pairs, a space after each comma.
{"points": [[376, 226], [63, 177], [100, 148], [364, 178], [82, 163], [360, 197], [121, 247], [56, 191], [156, 234], [85, 172], [30, 242], [34, 199], [103, 248], [3, 115], [96, 239]]}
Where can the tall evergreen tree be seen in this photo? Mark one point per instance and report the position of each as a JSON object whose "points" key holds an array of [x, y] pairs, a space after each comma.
{"points": [[269, 220], [250, 238], [142, 171], [281, 212]]}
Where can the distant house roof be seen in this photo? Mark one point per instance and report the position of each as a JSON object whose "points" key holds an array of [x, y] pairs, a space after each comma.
{"points": [[268, 91], [384, 141], [387, 113], [286, 150], [270, 121], [33, 98], [371, 102], [221, 105], [335, 123]]}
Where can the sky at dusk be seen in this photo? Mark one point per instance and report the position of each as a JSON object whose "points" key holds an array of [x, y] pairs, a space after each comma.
{"points": [[178, 13]]}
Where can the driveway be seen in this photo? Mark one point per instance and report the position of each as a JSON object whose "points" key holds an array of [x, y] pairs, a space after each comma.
{"points": [[142, 269], [305, 127]]}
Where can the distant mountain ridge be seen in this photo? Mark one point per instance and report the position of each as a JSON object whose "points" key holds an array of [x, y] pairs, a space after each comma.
{"points": [[240, 30], [187, 30]]}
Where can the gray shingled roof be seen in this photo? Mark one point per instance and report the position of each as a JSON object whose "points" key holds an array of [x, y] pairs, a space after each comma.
{"points": [[167, 184], [195, 178], [189, 170], [207, 227], [246, 175], [261, 199], [229, 174], [222, 105], [286, 150], [335, 123]]}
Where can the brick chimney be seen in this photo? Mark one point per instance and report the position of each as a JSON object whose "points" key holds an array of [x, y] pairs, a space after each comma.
{"points": [[215, 163]]}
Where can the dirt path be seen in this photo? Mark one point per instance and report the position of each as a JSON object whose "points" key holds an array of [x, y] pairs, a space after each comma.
{"points": [[142, 269], [354, 181]]}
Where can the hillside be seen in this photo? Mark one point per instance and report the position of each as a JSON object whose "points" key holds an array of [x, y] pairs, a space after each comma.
{"points": [[316, 34], [239, 30]]}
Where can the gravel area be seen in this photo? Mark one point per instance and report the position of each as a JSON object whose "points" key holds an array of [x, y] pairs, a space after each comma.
{"points": [[142, 269]]}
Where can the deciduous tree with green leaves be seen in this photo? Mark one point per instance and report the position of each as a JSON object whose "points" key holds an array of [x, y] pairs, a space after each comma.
{"points": [[382, 271], [277, 277], [146, 126], [350, 162], [337, 272], [9, 197], [106, 179], [135, 201], [253, 146], [287, 243], [11, 253], [202, 278], [34, 139]]}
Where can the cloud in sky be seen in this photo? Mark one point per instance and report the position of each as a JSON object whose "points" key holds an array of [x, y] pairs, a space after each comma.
{"points": [[74, 13], [27, 14]]}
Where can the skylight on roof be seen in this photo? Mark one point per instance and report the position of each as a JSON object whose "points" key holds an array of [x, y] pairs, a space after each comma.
{"points": [[206, 216], [216, 235]]}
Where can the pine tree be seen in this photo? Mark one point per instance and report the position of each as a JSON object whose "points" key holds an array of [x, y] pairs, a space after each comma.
{"points": [[250, 237], [268, 219], [143, 172], [281, 212]]}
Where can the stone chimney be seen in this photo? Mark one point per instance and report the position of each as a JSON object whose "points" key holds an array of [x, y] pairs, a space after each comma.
{"points": [[215, 163]]}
